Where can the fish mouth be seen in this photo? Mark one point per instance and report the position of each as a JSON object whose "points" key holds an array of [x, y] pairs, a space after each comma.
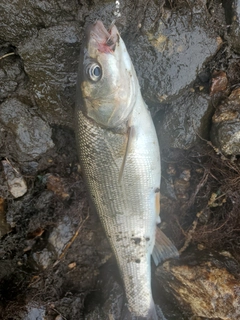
{"points": [[104, 39]]}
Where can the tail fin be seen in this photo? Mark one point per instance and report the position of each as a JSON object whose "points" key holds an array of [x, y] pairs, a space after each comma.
{"points": [[164, 249]]}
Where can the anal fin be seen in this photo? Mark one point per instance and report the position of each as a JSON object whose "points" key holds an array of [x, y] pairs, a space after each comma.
{"points": [[164, 249]]}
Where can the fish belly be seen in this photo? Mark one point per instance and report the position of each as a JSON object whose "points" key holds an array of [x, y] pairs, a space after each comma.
{"points": [[126, 207]]}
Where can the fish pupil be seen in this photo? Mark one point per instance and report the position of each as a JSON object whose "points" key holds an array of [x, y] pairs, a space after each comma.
{"points": [[97, 71]]}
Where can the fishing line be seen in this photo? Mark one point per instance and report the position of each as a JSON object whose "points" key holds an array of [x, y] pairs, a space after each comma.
{"points": [[116, 13]]}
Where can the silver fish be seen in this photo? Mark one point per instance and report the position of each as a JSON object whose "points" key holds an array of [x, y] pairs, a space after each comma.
{"points": [[120, 159]]}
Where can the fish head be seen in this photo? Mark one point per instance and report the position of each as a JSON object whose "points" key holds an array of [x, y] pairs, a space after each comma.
{"points": [[107, 82]]}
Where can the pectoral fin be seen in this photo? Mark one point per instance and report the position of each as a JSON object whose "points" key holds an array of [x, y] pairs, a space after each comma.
{"points": [[164, 249], [130, 135]]}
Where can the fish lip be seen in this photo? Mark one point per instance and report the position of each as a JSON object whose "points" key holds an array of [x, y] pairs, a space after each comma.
{"points": [[104, 39]]}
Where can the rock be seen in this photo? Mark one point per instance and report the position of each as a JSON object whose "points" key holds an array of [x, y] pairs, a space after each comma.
{"points": [[233, 15], [204, 284], [168, 55], [43, 258], [16, 183], [31, 17], [51, 63], [35, 313], [31, 136], [219, 82], [225, 131], [61, 235], [185, 120], [11, 75]]}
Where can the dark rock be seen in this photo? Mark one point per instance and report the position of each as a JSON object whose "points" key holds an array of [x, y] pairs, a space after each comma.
{"points": [[51, 63], [205, 284], [185, 121], [32, 16], [29, 168], [11, 75], [30, 135], [168, 55], [225, 131]]}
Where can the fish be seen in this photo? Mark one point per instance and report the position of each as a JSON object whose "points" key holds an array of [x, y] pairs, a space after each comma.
{"points": [[119, 157]]}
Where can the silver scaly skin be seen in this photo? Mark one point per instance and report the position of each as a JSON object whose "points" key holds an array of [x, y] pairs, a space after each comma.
{"points": [[120, 160]]}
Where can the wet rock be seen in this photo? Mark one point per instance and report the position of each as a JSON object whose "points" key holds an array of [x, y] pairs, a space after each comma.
{"points": [[30, 135], [185, 120], [168, 55], [51, 63], [32, 16], [204, 284], [16, 183], [11, 75], [225, 131], [62, 234], [233, 13]]}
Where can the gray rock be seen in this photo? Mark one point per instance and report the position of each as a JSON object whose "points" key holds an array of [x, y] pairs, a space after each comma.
{"points": [[11, 75], [32, 16], [51, 62], [61, 235], [225, 131], [168, 55], [31, 136], [185, 120]]}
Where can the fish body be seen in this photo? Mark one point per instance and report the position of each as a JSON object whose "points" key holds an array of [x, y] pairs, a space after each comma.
{"points": [[120, 160]]}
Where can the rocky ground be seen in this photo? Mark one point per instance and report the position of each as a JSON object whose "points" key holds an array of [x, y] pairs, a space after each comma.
{"points": [[55, 261]]}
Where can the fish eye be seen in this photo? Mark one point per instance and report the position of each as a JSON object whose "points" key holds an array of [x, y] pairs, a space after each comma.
{"points": [[94, 72]]}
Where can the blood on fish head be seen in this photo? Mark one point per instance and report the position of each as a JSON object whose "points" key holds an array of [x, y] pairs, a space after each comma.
{"points": [[105, 40], [107, 80]]}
